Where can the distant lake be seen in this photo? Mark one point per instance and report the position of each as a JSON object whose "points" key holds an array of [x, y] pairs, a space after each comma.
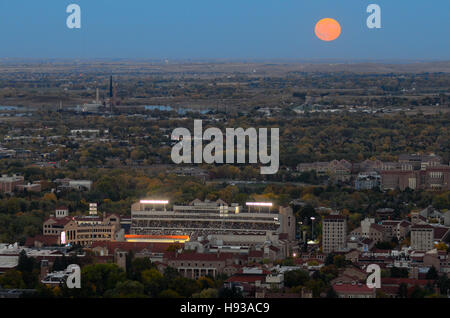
{"points": [[158, 107], [180, 111], [9, 108], [16, 115]]}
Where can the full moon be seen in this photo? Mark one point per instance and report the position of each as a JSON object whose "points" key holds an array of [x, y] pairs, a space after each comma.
{"points": [[328, 29]]}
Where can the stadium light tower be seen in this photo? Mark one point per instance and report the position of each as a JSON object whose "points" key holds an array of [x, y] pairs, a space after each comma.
{"points": [[155, 202], [259, 205]]}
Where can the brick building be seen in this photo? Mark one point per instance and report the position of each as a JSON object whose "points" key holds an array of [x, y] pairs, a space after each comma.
{"points": [[9, 184], [422, 237], [83, 230], [429, 178], [334, 232]]}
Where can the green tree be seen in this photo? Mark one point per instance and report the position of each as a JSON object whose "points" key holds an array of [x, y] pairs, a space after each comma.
{"points": [[153, 281], [96, 279], [339, 261], [126, 289], [207, 293], [403, 291], [432, 273], [230, 293], [138, 265], [418, 292], [29, 268], [296, 278], [12, 279], [397, 272], [184, 286], [331, 293], [169, 293]]}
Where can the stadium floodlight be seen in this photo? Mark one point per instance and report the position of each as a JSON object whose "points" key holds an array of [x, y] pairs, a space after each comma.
{"points": [[259, 203], [154, 202]]}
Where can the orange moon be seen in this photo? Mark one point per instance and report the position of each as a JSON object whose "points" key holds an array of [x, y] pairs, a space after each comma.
{"points": [[328, 29]]}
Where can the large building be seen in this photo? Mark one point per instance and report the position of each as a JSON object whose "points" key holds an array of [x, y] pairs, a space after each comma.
{"points": [[428, 178], [9, 184], [334, 233], [414, 171], [357, 290], [195, 265], [396, 228], [69, 184], [418, 161], [371, 230], [338, 170], [367, 181], [422, 237], [229, 224], [83, 230]]}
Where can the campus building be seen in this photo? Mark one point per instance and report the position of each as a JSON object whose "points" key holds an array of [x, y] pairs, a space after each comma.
{"points": [[422, 237], [428, 178], [82, 230], [229, 224], [334, 232], [371, 230], [8, 184]]}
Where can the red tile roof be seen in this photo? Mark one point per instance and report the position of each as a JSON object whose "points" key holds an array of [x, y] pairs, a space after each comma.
{"points": [[282, 295], [421, 226], [440, 233], [352, 288], [47, 240], [390, 222], [255, 254], [134, 246], [367, 241], [405, 223], [380, 251], [377, 227], [407, 281], [283, 236], [334, 217], [246, 278], [199, 257], [274, 248], [60, 221], [389, 289]]}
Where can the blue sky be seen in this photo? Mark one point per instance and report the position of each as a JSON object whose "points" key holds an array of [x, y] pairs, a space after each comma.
{"points": [[229, 29]]}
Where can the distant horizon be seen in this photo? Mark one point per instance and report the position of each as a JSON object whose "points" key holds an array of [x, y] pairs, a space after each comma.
{"points": [[231, 60], [233, 30]]}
